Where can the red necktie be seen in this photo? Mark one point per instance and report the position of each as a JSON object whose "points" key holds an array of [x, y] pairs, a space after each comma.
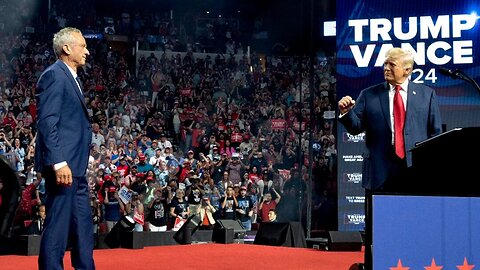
{"points": [[399, 122]]}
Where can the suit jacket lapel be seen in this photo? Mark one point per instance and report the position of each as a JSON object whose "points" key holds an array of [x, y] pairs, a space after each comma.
{"points": [[74, 85], [385, 103]]}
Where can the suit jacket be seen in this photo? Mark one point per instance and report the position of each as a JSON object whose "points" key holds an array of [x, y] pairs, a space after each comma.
{"points": [[35, 228], [371, 114], [64, 128]]}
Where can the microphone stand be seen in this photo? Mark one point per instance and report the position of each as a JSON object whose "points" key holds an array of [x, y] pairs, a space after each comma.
{"points": [[463, 76]]}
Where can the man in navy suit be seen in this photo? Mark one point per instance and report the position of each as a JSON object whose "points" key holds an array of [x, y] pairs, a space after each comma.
{"points": [[62, 151], [373, 113]]}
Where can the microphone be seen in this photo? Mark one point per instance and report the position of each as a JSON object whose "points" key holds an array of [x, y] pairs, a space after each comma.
{"points": [[459, 74], [454, 74]]}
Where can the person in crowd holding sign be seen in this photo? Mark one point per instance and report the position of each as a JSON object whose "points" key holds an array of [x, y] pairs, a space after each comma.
{"points": [[62, 151], [394, 115], [179, 209], [134, 208]]}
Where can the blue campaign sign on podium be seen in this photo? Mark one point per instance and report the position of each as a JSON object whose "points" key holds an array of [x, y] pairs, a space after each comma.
{"points": [[426, 232]]}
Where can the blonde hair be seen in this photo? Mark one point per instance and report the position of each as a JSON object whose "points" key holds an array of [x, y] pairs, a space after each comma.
{"points": [[405, 56], [62, 37]]}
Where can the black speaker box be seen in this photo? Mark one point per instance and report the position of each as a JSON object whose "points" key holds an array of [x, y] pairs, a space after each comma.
{"points": [[236, 225], [114, 238], [223, 235], [132, 240], [184, 235], [344, 241], [317, 243]]}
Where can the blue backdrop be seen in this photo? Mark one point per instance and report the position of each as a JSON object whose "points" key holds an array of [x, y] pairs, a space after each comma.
{"points": [[440, 33]]}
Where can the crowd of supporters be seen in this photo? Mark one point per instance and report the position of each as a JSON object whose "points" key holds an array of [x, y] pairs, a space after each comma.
{"points": [[224, 137]]}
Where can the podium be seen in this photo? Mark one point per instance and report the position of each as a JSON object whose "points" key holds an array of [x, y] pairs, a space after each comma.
{"points": [[433, 219], [445, 164]]}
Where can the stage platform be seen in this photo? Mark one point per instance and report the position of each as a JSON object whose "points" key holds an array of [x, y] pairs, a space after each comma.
{"points": [[29, 245]]}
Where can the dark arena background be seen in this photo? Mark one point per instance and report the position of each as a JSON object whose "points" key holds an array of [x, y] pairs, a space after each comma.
{"points": [[201, 95]]}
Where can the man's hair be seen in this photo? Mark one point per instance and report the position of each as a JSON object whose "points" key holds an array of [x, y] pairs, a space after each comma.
{"points": [[405, 56], [62, 37]]}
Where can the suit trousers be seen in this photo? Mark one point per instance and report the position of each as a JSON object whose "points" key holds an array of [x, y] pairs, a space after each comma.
{"points": [[68, 224]]}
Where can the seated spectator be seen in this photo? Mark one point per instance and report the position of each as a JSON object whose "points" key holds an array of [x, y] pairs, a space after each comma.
{"points": [[36, 226], [272, 215]]}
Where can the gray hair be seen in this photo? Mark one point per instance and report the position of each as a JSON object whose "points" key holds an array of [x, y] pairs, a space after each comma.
{"points": [[62, 37]]}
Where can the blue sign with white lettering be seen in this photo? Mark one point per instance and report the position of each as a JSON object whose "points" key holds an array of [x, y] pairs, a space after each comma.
{"points": [[426, 232]]}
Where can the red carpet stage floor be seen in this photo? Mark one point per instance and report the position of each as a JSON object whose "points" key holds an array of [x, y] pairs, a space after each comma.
{"points": [[205, 256]]}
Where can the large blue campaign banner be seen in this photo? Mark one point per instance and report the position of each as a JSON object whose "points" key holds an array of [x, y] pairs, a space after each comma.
{"points": [[440, 33], [426, 232]]}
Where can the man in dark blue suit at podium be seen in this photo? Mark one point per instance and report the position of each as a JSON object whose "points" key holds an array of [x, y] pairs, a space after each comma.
{"points": [[61, 155], [394, 115]]}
